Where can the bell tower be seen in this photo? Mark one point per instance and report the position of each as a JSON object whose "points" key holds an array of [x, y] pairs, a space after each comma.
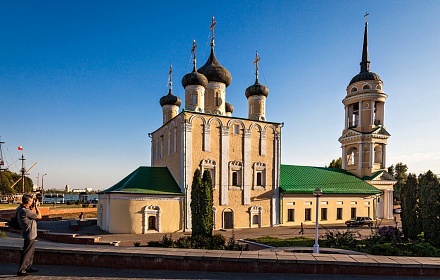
{"points": [[364, 137]]}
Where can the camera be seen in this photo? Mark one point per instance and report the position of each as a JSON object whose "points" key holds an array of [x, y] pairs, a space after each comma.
{"points": [[35, 198]]}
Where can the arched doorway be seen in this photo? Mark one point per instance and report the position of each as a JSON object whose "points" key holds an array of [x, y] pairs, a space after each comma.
{"points": [[228, 218]]}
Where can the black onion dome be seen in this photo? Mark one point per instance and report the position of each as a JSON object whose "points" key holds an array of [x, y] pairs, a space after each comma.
{"points": [[170, 99], [229, 108], [194, 78], [257, 89], [214, 71], [365, 76]]}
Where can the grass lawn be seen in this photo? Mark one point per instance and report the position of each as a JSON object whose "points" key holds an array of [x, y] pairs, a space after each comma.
{"points": [[288, 242]]}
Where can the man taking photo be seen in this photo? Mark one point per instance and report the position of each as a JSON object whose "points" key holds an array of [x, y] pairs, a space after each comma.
{"points": [[27, 221]]}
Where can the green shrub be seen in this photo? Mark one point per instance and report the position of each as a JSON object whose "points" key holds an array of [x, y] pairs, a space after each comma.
{"points": [[2, 234], [386, 249], [69, 202], [287, 242], [424, 249], [154, 244], [137, 244], [341, 239], [77, 202], [94, 205], [85, 205]]}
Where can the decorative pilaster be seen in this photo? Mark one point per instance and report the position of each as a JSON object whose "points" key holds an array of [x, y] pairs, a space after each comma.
{"points": [[276, 197], [361, 155], [263, 143], [246, 166], [186, 167], [206, 137], [224, 166]]}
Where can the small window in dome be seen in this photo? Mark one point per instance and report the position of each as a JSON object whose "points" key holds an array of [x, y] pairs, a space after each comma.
{"points": [[354, 89], [366, 87], [378, 87]]}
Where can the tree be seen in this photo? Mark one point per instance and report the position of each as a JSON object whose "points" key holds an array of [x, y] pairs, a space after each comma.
{"points": [[336, 163], [411, 223], [398, 172], [196, 204], [391, 170], [207, 202], [201, 205], [430, 206], [8, 178]]}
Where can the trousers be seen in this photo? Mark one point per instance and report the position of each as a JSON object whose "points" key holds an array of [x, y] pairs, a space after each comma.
{"points": [[27, 255]]}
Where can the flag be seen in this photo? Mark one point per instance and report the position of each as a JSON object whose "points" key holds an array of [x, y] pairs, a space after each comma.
{"points": [[20, 148]]}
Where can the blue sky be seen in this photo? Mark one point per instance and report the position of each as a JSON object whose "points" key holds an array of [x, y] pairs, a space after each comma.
{"points": [[80, 81]]}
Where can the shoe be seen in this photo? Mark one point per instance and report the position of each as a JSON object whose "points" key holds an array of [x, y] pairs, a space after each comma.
{"points": [[31, 270], [22, 273]]}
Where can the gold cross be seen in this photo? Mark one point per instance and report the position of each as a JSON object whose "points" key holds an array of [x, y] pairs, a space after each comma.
{"points": [[257, 59], [213, 23], [366, 17]]}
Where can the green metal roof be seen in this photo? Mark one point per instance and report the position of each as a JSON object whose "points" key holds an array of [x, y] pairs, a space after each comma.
{"points": [[305, 179], [147, 180]]}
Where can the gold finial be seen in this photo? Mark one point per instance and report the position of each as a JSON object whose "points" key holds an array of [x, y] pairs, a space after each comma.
{"points": [[366, 17], [171, 78], [193, 51], [213, 23], [256, 61]]}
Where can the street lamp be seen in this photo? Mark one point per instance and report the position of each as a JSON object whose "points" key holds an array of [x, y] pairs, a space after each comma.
{"points": [[317, 193], [42, 186]]}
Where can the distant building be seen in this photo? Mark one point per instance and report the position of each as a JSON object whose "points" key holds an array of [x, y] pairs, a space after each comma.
{"points": [[251, 187], [67, 189], [81, 190]]}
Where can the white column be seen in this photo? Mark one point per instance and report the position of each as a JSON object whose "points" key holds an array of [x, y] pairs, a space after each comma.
{"points": [[361, 155], [276, 198], [247, 166], [372, 112], [384, 155], [224, 185], [346, 116], [344, 157], [186, 167], [371, 155], [360, 114]]}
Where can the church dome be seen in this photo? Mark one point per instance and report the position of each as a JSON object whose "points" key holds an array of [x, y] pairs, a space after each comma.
{"points": [[170, 99], [229, 108], [194, 78], [214, 72], [257, 89], [365, 76]]}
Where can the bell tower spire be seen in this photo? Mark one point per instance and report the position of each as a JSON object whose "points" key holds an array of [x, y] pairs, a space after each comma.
{"points": [[365, 63], [364, 138]]}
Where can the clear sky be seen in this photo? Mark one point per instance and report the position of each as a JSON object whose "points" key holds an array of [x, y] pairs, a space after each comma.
{"points": [[80, 81]]}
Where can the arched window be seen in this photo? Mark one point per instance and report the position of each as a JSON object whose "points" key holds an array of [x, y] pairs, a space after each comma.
{"points": [[151, 219], [354, 89], [352, 156], [255, 216], [378, 154], [259, 178], [235, 174], [367, 86]]}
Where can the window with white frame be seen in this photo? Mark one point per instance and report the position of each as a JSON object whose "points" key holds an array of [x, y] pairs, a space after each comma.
{"points": [[259, 180], [235, 174], [210, 165], [236, 129], [255, 216]]}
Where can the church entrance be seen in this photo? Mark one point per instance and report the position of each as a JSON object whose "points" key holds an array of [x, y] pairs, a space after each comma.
{"points": [[228, 220]]}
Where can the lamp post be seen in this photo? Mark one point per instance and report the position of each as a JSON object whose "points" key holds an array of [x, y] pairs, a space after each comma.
{"points": [[317, 193], [42, 186]]}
